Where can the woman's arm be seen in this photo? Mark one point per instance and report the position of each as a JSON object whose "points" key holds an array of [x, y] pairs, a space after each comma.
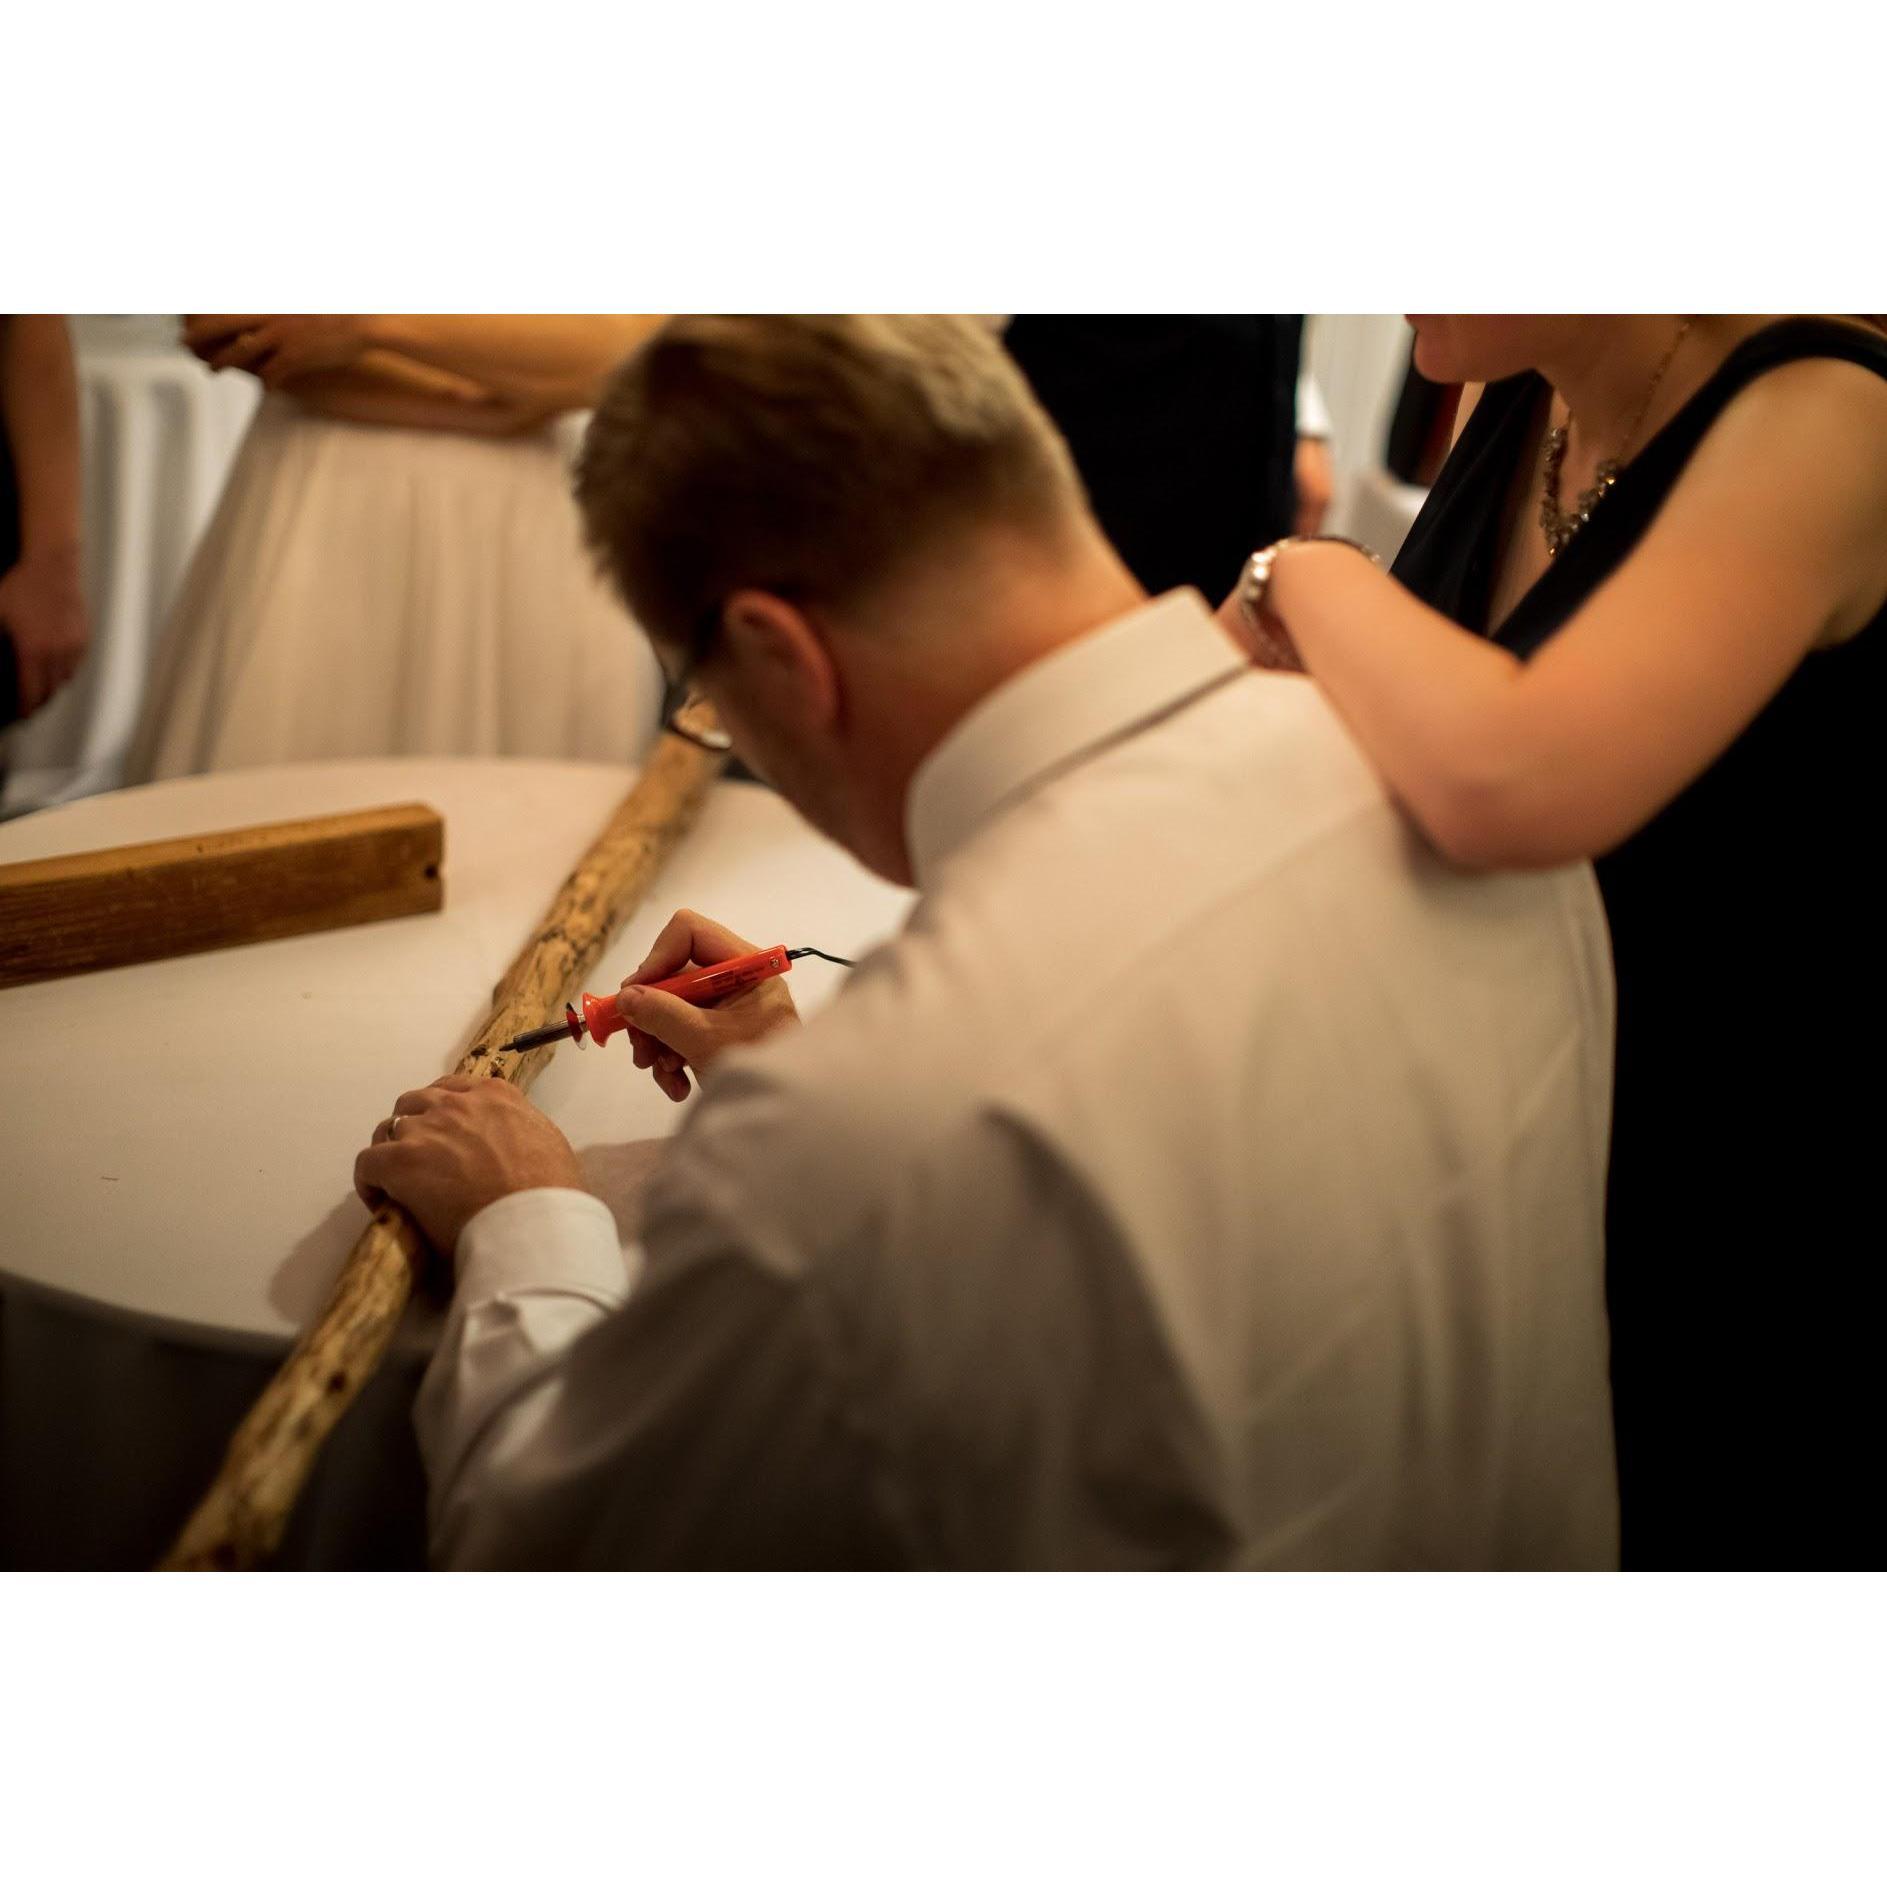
{"points": [[555, 361], [559, 358], [384, 390], [1769, 544], [42, 602]]}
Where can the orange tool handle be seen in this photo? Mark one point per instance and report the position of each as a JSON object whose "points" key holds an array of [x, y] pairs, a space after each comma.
{"points": [[601, 1019]]}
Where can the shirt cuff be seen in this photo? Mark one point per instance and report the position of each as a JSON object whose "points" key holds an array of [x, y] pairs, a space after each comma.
{"points": [[549, 1238], [1313, 416]]}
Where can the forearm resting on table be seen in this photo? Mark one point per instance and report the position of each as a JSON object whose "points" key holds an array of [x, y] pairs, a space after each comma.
{"points": [[536, 1271], [581, 1409], [556, 361]]}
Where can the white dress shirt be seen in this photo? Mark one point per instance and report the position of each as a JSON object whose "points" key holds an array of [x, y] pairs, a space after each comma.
{"points": [[1313, 415], [1206, 1176]]}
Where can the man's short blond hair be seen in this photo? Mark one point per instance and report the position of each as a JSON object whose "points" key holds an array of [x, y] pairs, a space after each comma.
{"points": [[807, 455]]}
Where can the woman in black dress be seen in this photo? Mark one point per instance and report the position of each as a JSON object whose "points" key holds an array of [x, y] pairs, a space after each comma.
{"points": [[1668, 541]]}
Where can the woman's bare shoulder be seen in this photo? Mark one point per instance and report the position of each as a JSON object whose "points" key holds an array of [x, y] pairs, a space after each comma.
{"points": [[1809, 441], [1840, 398], [1813, 431]]}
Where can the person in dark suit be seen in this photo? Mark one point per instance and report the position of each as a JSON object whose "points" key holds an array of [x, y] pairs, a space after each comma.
{"points": [[1184, 430]]}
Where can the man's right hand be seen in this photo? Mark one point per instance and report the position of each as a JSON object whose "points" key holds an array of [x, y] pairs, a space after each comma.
{"points": [[670, 1036]]}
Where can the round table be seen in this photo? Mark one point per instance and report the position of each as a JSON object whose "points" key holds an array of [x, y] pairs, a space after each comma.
{"points": [[180, 1135]]}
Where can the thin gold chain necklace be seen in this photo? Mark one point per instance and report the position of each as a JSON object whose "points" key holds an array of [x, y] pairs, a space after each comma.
{"points": [[1560, 527]]}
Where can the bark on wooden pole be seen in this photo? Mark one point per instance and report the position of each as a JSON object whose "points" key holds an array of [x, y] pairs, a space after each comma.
{"points": [[240, 1521]]}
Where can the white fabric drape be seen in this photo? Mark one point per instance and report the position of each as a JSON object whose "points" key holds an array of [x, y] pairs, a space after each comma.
{"points": [[381, 590]]}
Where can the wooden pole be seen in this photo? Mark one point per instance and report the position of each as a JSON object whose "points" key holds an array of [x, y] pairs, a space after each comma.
{"points": [[239, 1523]]}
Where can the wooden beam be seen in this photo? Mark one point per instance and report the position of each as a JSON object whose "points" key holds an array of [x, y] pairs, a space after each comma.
{"points": [[136, 903], [240, 1521]]}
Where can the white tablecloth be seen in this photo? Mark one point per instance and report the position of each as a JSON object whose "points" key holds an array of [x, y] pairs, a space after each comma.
{"points": [[179, 1136]]}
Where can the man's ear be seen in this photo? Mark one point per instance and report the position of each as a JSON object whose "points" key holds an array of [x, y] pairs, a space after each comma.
{"points": [[786, 664]]}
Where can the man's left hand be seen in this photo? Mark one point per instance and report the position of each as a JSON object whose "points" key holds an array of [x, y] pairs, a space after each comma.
{"points": [[448, 1151]]}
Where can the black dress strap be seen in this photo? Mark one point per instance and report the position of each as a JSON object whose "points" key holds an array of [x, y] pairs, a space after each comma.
{"points": [[1616, 527], [1451, 553], [1451, 556]]}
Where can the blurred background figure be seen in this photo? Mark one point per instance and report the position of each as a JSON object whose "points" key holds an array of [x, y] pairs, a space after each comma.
{"points": [[1187, 433], [1313, 466], [395, 566], [43, 632], [161, 432]]}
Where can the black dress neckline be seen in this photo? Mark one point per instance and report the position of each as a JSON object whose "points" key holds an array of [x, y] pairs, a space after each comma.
{"points": [[1518, 399]]}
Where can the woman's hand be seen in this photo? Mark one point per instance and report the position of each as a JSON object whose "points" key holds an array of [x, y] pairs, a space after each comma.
{"points": [[1266, 640], [670, 1036], [42, 607], [278, 348]]}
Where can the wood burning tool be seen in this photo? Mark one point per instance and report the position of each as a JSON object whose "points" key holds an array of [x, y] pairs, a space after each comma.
{"points": [[599, 1018]]}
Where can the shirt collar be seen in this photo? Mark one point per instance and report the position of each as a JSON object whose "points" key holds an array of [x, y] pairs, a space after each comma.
{"points": [[1086, 694]]}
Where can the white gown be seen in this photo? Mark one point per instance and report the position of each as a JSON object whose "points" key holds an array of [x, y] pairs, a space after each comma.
{"points": [[371, 590]]}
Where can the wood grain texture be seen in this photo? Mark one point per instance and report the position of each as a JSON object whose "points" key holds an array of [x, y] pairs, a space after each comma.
{"points": [[240, 1521], [137, 903]]}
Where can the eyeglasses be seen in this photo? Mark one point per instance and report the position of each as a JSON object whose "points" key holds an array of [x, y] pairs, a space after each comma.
{"points": [[687, 713]]}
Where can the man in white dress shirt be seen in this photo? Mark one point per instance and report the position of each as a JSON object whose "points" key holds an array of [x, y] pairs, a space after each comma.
{"points": [[1205, 1177]]}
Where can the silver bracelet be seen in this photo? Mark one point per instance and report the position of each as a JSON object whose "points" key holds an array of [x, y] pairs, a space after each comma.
{"points": [[1254, 583]]}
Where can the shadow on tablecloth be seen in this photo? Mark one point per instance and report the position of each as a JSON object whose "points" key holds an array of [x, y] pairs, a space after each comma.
{"points": [[109, 1436]]}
